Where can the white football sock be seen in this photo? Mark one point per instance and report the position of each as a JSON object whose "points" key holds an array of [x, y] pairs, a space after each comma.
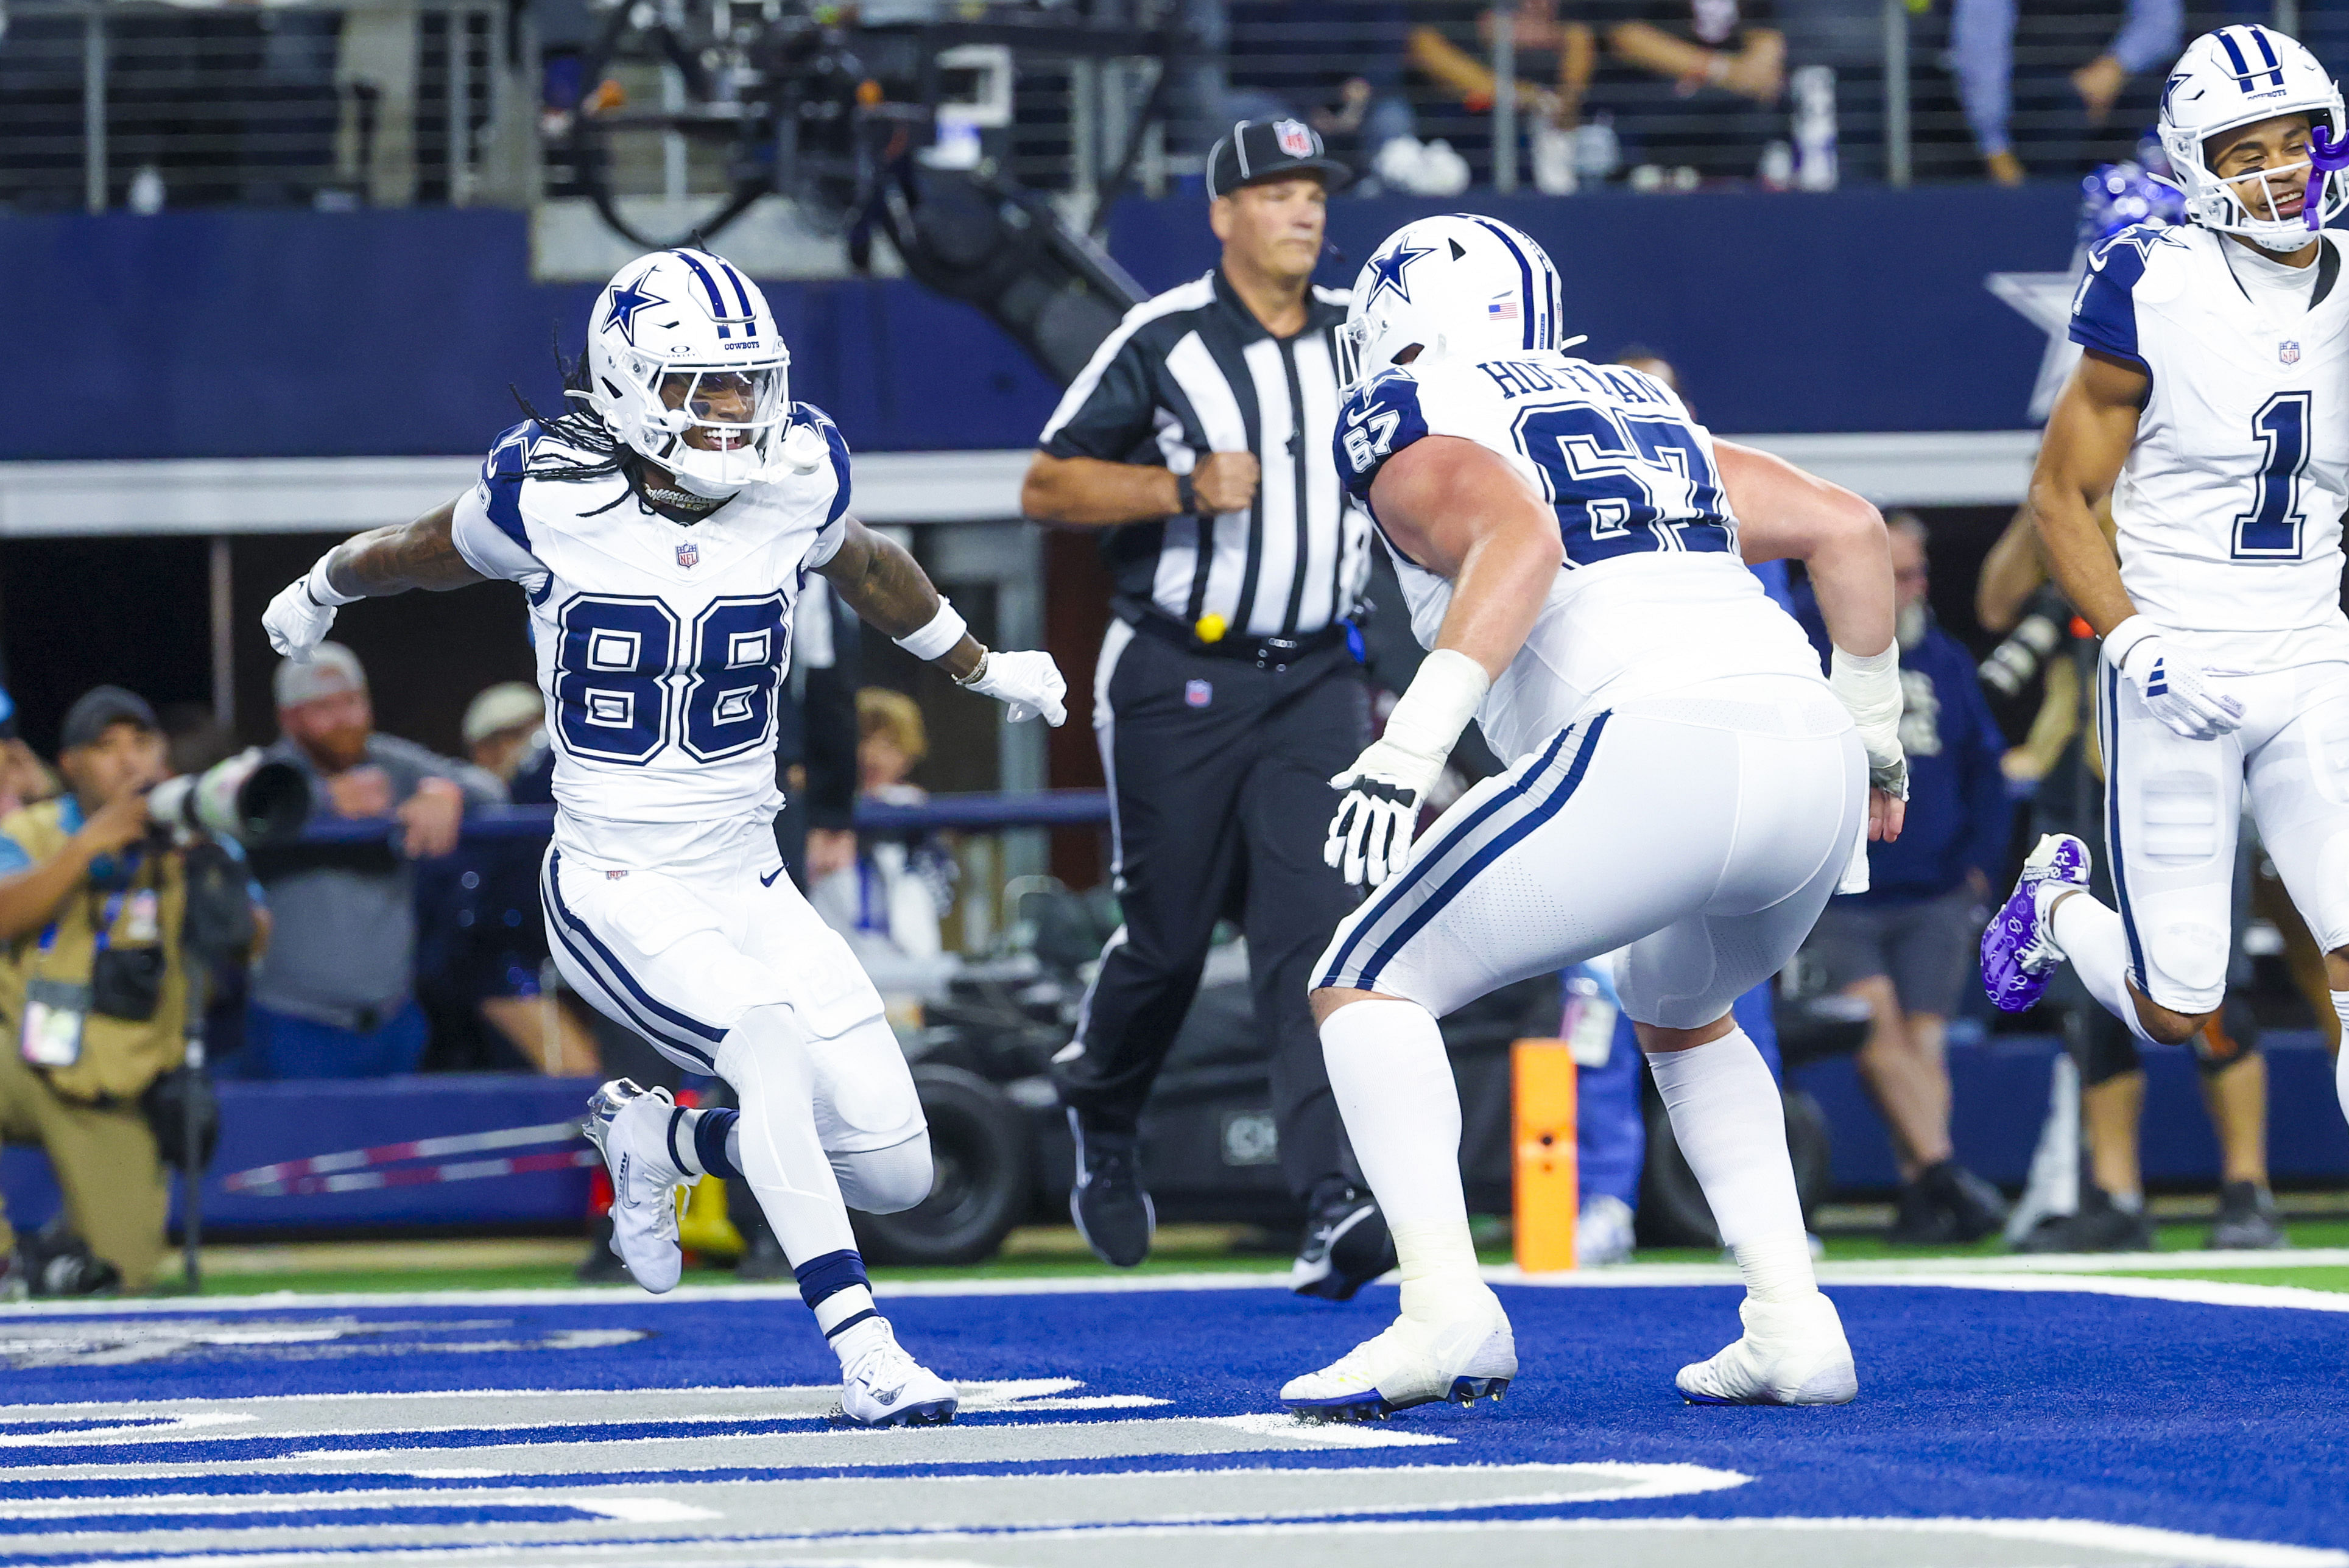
{"points": [[2091, 936], [1393, 1085], [765, 1059], [1731, 1129]]}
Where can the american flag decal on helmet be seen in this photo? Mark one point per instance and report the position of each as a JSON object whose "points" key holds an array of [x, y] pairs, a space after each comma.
{"points": [[1502, 309]]}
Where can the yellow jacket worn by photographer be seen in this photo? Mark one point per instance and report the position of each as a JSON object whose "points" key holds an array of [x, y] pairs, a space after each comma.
{"points": [[119, 1057], [85, 1114]]}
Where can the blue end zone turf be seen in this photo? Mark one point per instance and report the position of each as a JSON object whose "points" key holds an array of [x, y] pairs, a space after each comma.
{"points": [[1980, 1403]]}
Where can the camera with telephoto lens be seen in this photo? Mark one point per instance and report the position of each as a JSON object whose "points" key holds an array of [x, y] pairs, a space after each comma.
{"points": [[246, 799], [2045, 625]]}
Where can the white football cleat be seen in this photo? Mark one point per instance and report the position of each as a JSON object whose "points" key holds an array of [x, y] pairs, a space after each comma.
{"points": [[630, 1129], [1791, 1352], [1460, 1361], [881, 1385]]}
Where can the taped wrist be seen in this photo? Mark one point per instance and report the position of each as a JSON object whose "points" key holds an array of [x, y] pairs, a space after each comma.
{"points": [[1443, 696], [322, 592], [2126, 638], [933, 640], [1869, 688]]}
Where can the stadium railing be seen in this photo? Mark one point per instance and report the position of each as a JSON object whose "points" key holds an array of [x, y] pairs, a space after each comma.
{"points": [[105, 104]]}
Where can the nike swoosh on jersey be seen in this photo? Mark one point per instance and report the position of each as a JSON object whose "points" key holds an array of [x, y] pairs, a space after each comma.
{"points": [[768, 879]]}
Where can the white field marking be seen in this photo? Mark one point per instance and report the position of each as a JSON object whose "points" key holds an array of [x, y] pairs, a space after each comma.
{"points": [[1007, 1393], [1335, 1434], [210, 1504], [175, 1426], [1638, 1480], [640, 1509], [1876, 1270]]}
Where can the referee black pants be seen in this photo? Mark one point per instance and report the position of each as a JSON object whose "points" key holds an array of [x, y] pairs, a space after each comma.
{"points": [[1219, 773]]}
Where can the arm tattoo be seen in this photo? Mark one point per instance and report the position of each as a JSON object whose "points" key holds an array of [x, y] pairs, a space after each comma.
{"points": [[420, 554], [884, 585]]}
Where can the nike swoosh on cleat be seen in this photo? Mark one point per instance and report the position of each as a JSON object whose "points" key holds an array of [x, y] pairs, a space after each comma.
{"points": [[768, 879], [887, 1397]]}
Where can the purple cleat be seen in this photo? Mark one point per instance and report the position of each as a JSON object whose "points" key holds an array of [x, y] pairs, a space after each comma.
{"points": [[2019, 955]]}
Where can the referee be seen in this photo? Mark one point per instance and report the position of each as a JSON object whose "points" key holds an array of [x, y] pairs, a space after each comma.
{"points": [[1226, 693]]}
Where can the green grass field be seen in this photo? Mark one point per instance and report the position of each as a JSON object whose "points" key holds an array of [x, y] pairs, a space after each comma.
{"points": [[541, 1265]]}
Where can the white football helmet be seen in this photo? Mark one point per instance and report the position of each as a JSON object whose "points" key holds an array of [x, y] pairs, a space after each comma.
{"points": [[1455, 285], [682, 342], [2232, 78]]}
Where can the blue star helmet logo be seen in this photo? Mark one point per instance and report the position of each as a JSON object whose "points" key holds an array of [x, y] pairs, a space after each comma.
{"points": [[1386, 271], [626, 300]]}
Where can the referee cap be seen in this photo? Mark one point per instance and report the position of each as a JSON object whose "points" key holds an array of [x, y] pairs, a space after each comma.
{"points": [[1256, 150]]}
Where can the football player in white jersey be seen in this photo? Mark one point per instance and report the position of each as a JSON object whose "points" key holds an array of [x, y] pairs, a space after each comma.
{"points": [[661, 534], [2212, 404], [1683, 785]]}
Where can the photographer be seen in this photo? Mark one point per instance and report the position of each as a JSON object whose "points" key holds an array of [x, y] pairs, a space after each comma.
{"points": [[94, 988]]}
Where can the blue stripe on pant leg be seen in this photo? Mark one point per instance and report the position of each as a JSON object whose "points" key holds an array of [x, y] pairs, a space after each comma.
{"points": [[1382, 902], [608, 971], [2113, 821], [652, 1004], [1500, 844]]}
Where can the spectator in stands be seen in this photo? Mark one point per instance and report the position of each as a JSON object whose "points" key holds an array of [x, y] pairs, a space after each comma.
{"points": [[1336, 64], [2053, 85], [887, 901], [1691, 83], [94, 988], [481, 948], [1555, 58], [334, 997], [1907, 945]]}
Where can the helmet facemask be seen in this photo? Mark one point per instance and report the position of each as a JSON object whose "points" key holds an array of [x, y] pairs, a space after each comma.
{"points": [[2264, 205], [715, 428]]}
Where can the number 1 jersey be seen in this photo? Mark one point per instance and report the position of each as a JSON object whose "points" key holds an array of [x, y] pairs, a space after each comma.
{"points": [[2229, 509], [1651, 594], [661, 646]]}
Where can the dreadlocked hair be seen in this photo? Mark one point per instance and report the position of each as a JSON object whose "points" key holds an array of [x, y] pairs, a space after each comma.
{"points": [[578, 427]]}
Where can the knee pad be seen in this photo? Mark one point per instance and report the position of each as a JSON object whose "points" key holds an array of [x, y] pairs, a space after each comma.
{"points": [[766, 1046], [886, 1181], [2103, 1046], [2226, 1037]]}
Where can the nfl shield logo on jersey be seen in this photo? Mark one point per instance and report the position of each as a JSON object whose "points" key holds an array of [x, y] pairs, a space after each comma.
{"points": [[2288, 351], [1294, 139], [1197, 693], [688, 554]]}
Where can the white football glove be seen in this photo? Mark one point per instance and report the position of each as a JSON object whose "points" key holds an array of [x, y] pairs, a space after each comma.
{"points": [[1869, 689], [1027, 683], [1370, 838], [301, 614], [2175, 688]]}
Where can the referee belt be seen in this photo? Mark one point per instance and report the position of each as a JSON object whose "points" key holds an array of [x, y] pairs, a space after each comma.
{"points": [[1265, 653]]}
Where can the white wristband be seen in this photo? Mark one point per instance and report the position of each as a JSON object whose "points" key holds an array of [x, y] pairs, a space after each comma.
{"points": [[1443, 696], [2123, 640], [322, 592], [938, 637], [1869, 687]]}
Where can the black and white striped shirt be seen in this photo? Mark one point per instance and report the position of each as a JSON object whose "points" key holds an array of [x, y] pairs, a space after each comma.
{"points": [[1192, 372]]}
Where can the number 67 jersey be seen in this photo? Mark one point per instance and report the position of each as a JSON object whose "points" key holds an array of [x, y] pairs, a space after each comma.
{"points": [[1651, 594], [660, 646], [2229, 509]]}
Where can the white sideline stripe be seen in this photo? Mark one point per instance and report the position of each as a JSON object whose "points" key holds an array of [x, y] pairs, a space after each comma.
{"points": [[640, 1509], [1938, 1272], [976, 1396]]}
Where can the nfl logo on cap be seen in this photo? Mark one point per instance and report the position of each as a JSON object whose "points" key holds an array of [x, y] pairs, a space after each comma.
{"points": [[1197, 693], [2288, 351], [687, 554], [1294, 139]]}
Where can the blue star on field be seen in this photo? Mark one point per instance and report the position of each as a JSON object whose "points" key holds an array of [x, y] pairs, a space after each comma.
{"points": [[1386, 271], [626, 300]]}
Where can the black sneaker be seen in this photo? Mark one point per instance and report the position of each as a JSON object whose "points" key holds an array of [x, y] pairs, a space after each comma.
{"points": [[1112, 1212], [1346, 1242], [1975, 1208], [2246, 1220], [602, 1265], [2100, 1226], [67, 1269], [1919, 1221]]}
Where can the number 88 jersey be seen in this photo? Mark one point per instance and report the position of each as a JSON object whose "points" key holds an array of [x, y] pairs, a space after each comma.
{"points": [[661, 646], [2240, 460]]}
